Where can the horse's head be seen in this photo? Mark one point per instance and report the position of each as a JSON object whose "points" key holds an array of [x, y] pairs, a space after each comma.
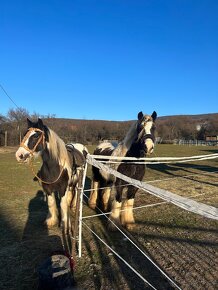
{"points": [[33, 142], [145, 133]]}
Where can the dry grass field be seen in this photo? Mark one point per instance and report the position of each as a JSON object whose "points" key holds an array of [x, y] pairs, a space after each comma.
{"points": [[183, 244]]}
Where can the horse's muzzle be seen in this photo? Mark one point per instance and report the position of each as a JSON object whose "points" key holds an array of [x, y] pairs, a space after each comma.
{"points": [[22, 156], [149, 146]]}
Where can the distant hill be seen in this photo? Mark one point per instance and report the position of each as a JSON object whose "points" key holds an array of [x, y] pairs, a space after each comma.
{"points": [[168, 127], [92, 131], [200, 117], [203, 117]]}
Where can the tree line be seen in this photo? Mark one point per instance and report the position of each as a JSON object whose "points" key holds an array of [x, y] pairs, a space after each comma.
{"points": [[13, 127]]}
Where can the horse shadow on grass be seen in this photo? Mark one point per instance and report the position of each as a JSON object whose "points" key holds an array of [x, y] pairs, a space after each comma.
{"points": [[37, 243], [9, 254], [37, 212]]}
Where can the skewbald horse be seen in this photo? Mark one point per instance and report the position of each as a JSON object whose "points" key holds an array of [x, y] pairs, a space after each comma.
{"points": [[138, 142], [60, 171]]}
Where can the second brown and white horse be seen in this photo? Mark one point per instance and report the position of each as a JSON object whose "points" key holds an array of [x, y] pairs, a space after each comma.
{"points": [[138, 142]]}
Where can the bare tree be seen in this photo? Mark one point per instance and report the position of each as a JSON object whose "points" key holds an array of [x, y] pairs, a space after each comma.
{"points": [[3, 119], [18, 114], [18, 117]]}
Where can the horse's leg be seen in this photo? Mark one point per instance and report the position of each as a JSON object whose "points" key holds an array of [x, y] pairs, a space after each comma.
{"points": [[94, 187], [65, 213], [127, 218], [69, 196], [74, 199], [74, 189], [105, 197], [115, 212], [52, 218], [94, 194]]}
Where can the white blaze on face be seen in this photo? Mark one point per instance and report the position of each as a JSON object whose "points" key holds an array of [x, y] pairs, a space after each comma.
{"points": [[22, 154], [149, 142]]}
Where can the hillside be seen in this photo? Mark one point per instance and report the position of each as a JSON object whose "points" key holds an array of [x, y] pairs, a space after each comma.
{"points": [[202, 118], [168, 127], [92, 131]]}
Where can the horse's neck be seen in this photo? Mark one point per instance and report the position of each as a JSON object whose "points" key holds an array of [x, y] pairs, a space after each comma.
{"points": [[125, 145], [134, 150], [48, 161], [58, 151]]}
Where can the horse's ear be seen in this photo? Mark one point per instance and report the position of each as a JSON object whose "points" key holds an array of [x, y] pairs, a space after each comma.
{"points": [[29, 123], [40, 124], [154, 116], [140, 115]]}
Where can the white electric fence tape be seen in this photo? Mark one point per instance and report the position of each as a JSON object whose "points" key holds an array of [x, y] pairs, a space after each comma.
{"points": [[205, 156], [182, 202]]}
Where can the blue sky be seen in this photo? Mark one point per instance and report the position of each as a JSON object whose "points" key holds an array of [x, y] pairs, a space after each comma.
{"points": [[109, 59]]}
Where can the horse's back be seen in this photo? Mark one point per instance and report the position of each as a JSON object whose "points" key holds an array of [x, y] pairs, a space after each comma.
{"points": [[104, 148], [78, 153]]}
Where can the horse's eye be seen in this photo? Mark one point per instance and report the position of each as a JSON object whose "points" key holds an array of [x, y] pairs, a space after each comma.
{"points": [[35, 136]]}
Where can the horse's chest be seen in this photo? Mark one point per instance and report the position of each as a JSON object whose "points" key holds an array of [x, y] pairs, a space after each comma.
{"points": [[54, 182], [132, 170]]}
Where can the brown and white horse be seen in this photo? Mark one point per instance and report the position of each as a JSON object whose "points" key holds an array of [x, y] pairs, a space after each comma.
{"points": [[138, 142], [60, 170]]}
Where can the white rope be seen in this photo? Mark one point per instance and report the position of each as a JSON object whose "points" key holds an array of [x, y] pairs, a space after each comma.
{"points": [[124, 261], [215, 155], [163, 162], [182, 202]]}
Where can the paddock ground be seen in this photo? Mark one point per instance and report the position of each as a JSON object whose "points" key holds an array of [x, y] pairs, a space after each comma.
{"points": [[183, 244]]}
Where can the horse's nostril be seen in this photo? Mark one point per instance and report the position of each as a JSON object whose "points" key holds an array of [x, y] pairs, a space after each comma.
{"points": [[21, 156]]}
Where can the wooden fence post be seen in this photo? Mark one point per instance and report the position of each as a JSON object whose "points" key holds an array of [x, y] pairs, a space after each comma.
{"points": [[6, 138]]}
